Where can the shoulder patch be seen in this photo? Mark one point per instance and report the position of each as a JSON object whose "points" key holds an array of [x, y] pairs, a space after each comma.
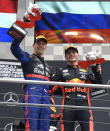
{"points": [[83, 70]]}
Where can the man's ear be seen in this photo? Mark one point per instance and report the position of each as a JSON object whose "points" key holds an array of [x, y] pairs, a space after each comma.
{"points": [[65, 57], [33, 45]]}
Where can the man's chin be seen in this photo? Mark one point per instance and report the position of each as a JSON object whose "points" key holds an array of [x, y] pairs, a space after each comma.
{"points": [[39, 54]]}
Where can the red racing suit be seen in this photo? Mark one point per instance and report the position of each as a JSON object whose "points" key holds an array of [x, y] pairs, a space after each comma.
{"points": [[78, 96]]}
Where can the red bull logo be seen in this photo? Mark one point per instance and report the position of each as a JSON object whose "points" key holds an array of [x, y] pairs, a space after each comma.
{"points": [[76, 80], [76, 89]]}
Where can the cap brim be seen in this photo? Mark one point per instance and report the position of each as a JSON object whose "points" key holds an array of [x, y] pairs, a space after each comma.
{"points": [[75, 49], [36, 40]]}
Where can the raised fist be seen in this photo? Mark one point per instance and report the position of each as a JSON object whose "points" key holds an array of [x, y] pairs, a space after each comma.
{"points": [[31, 10], [33, 6]]}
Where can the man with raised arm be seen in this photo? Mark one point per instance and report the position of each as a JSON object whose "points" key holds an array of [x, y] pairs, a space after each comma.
{"points": [[34, 68]]}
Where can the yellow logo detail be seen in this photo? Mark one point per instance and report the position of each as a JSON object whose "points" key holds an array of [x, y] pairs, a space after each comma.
{"points": [[53, 109], [83, 70]]}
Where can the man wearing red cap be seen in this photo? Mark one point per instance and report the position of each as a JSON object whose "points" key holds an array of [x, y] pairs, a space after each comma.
{"points": [[35, 68], [78, 96]]}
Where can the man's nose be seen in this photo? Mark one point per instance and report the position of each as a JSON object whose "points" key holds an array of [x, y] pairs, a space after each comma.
{"points": [[41, 45], [72, 54]]}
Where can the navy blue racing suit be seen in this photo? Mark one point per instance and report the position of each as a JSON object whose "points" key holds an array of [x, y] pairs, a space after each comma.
{"points": [[34, 68], [78, 96]]}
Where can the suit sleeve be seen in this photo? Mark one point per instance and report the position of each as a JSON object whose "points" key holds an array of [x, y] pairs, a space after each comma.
{"points": [[19, 53], [94, 76], [57, 76]]}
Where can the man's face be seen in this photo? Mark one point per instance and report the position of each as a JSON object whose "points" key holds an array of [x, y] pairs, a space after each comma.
{"points": [[39, 47], [71, 56]]}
